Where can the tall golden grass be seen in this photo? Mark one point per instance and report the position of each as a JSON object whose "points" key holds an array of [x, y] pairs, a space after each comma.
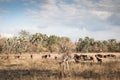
{"points": [[49, 69]]}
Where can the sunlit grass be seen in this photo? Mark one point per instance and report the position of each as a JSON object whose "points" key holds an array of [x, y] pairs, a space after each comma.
{"points": [[48, 69]]}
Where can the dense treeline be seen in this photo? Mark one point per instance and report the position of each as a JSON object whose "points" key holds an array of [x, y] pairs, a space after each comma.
{"points": [[38, 42], [90, 45]]}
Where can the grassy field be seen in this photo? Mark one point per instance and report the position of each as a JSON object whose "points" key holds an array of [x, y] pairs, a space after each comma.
{"points": [[37, 68]]}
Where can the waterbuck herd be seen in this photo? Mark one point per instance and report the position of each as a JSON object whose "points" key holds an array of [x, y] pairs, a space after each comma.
{"points": [[64, 59]]}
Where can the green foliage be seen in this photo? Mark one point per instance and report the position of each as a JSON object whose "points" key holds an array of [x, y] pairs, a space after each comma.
{"points": [[52, 43], [38, 42], [41, 48], [90, 45], [24, 34]]}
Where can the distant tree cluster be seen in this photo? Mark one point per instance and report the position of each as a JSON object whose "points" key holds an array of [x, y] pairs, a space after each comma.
{"points": [[90, 45], [37, 42], [34, 43]]}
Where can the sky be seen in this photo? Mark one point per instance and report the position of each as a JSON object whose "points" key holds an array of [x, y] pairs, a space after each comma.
{"points": [[98, 19]]}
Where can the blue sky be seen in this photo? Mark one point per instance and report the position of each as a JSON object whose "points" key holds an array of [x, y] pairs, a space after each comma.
{"points": [[99, 19]]}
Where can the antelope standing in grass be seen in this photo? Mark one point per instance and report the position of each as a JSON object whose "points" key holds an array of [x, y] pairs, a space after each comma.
{"points": [[64, 61], [99, 60]]}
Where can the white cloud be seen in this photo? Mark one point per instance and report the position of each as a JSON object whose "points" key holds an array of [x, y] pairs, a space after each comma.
{"points": [[102, 5], [73, 20], [110, 5], [29, 11], [8, 35], [102, 14], [79, 19]]}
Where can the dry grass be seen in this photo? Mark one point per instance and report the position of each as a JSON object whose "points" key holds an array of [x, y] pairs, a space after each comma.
{"points": [[48, 69]]}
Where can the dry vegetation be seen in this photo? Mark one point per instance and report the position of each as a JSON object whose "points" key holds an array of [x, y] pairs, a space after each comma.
{"points": [[37, 68], [16, 62]]}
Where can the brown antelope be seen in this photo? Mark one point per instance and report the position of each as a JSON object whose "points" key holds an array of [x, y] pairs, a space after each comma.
{"points": [[31, 56], [83, 58], [17, 56], [46, 56], [99, 60], [64, 61]]}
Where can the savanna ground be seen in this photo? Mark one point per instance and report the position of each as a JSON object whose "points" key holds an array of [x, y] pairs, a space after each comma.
{"points": [[37, 68]]}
